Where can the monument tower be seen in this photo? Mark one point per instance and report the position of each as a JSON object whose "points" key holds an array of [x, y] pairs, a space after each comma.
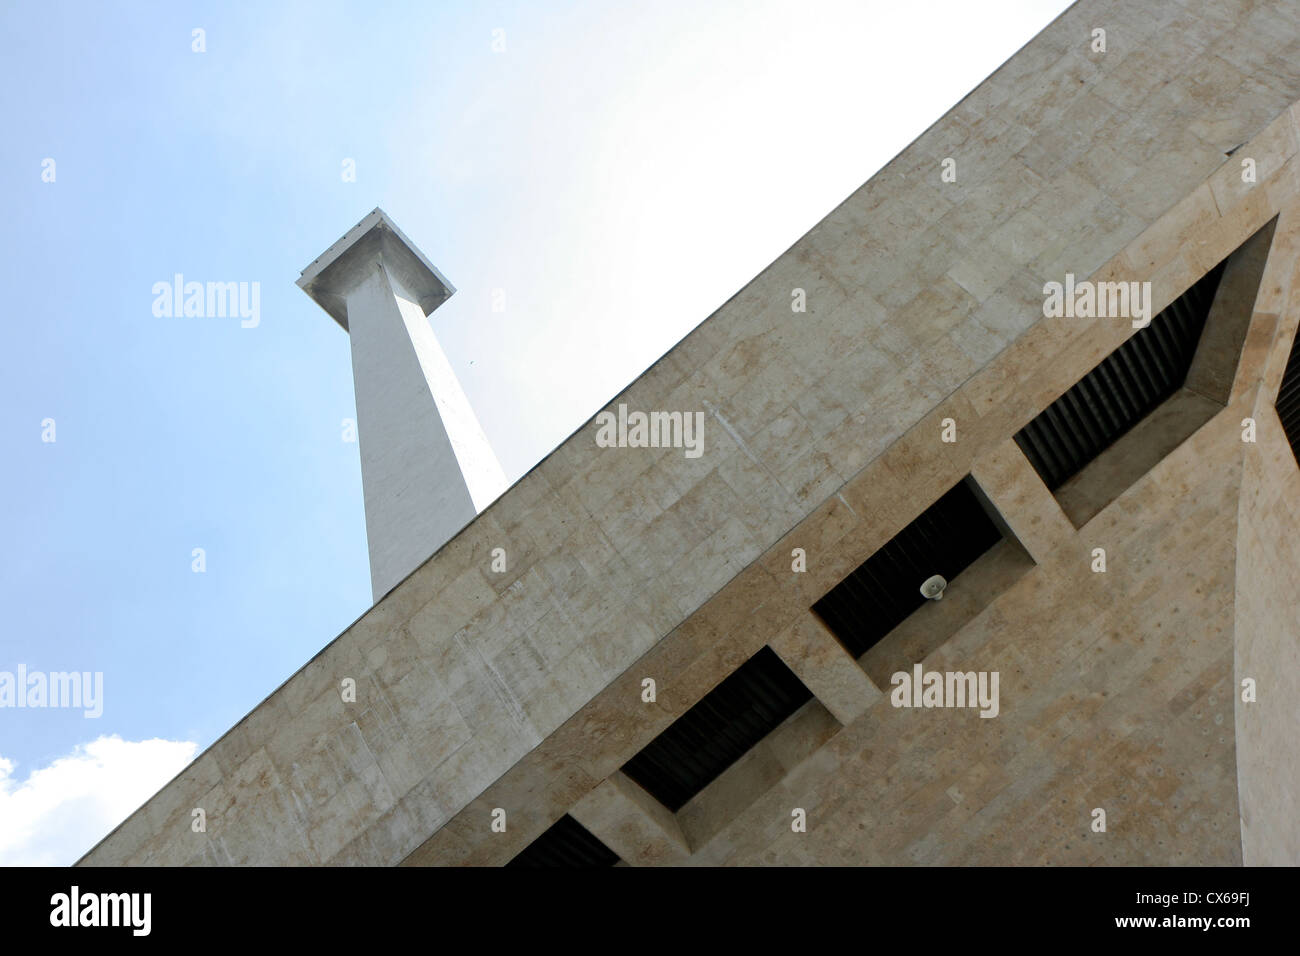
{"points": [[426, 466]]}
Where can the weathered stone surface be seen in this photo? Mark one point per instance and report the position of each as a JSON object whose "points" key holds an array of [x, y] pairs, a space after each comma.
{"points": [[521, 691]]}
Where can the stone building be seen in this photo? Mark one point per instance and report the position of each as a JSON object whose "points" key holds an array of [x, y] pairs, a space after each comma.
{"points": [[1045, 353]]}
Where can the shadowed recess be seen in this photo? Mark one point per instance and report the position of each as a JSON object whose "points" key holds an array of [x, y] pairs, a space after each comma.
{"points": [[1288, 399], [885, 589], [567, 843], [719, 730], [1122, 390]]}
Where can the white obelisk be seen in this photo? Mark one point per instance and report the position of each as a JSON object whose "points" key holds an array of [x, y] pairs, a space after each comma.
{"points": [[426, 466]]}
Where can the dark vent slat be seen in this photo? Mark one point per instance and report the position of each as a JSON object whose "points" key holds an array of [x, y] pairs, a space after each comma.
{"points": [[1142, 381], [1105, 410], [1288, 399], [566, 844], [1064, 436], [1085, 414], [1288, 405], [1107, 383], [1031, 443], [885, 589], [1122, 389], [720, 729], [1171, 342], [1163, 359]]}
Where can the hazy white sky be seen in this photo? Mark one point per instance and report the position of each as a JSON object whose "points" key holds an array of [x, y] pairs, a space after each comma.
{"points": [[616, 170]]}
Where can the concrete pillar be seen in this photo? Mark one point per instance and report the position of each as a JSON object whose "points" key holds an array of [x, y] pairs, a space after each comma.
{"points": [[1015, 490], [642, 831], [426, 466], [826, 668]]}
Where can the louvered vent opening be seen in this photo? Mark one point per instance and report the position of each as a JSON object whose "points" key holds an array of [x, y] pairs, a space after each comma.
{"points": [[885, 589], [566, 844], [1288, 399], [1120, 392], [719, 730]]}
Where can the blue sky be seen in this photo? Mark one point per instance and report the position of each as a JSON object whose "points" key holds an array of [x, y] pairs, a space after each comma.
{"points": [[618, 170]]}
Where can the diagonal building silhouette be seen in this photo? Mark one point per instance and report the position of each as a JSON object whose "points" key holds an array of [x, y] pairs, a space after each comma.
{"points": [[1047, 354]]}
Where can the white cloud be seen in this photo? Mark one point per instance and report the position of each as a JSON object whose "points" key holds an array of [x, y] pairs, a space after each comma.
{"points": [[61, 811]]}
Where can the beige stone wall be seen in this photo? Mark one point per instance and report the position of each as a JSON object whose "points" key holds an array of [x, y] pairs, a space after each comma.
{"points": [[519, 690], [1115, 693], [1268, 598], [1268, 651], [1117, 688]]}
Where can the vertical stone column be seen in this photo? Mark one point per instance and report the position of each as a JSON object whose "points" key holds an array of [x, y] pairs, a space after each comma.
{"points": [[426, 466]]}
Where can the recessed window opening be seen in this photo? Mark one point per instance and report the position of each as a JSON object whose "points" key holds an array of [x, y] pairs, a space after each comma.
{"points": [[720, 729], [1152, 393], [566, 843]]}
